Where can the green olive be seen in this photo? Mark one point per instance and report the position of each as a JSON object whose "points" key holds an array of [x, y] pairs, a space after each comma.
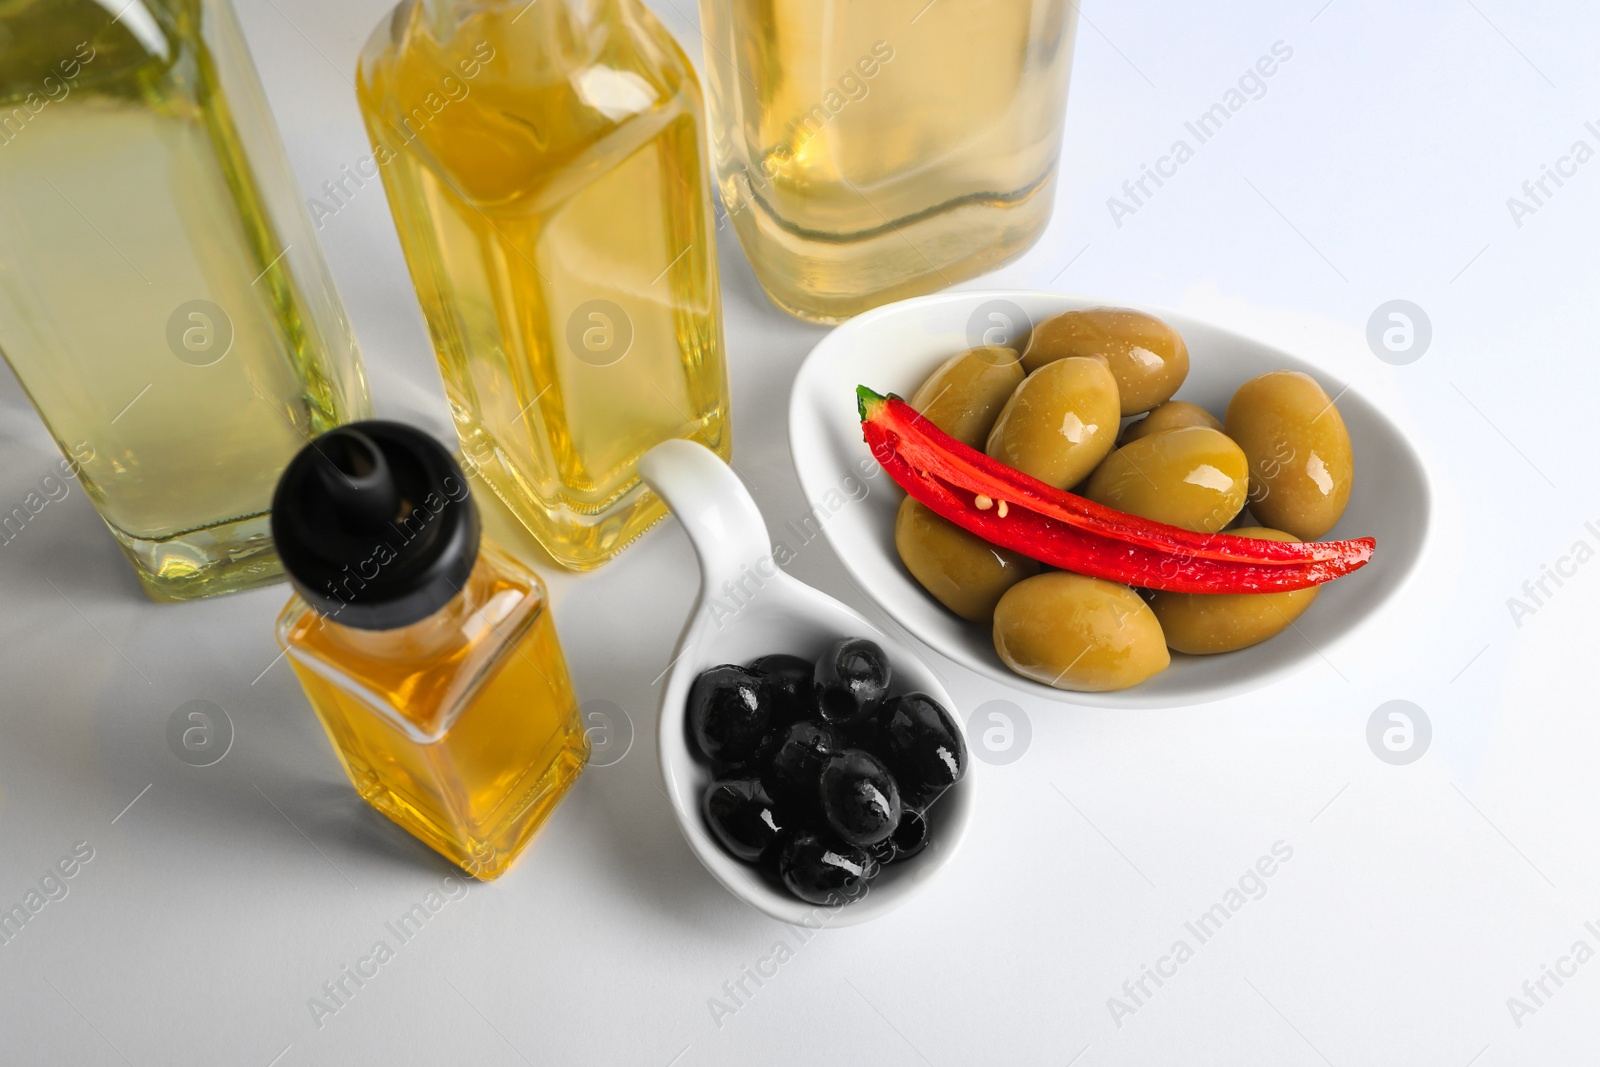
{"points": [[1299, 451], [968, 390], [1193, 477], [1078, 633], [1203, 623], [1173, 415], [1060, 423], [961, 570], [1147, 356]]}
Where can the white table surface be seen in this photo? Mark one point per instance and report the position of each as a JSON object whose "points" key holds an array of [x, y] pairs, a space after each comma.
{"points": [[1418, 898]]}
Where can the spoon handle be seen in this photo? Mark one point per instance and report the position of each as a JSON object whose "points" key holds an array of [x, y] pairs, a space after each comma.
{"points": [[715, 508]]}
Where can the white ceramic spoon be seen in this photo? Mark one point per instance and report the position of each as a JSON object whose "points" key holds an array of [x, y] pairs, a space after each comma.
{"points": [[748, 607]]}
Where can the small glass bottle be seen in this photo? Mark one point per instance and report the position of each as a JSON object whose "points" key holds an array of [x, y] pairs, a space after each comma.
{"points": [[163, 299], [430, 659], [871, 150], [545, 166]]}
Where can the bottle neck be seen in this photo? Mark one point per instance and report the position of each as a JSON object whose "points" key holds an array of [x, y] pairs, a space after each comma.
{"points": [[424, 639], [566, 18], [419, 642]]}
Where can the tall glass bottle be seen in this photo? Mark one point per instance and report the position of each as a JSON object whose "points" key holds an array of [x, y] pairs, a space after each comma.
{"points": [[428, 653], [545, 167], [870, 150], [162, 296]]}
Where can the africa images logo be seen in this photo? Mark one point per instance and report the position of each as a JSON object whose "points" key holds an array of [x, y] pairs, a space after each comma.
{"points": [[1251, 85]]}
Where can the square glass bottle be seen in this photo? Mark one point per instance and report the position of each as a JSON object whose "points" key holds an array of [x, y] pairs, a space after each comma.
{"points": [[163, 298], [874, 150], [431, 661], [546, 167]]}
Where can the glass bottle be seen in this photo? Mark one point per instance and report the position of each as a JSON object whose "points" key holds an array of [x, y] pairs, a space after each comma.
{"points": [[546, 171], [429, 657], [163, 299], [871, 150]]}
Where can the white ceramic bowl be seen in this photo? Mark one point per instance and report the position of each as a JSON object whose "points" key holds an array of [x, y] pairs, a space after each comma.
{"points": [[893, 348], [760, 611]]}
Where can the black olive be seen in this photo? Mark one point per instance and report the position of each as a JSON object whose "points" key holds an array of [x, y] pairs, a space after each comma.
{"points": [[852, 678], [923, 747], [910, 837], [822, 871], [795, 770], [859, 797], [789, 683], [730, 715], [742, 816]]}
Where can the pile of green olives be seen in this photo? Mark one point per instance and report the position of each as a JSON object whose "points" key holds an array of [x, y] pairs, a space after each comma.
{"points": [[1086, 405], [821, 776]]}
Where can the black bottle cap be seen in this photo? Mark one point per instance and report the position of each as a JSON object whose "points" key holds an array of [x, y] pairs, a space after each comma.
{"points": [[375, 525]]}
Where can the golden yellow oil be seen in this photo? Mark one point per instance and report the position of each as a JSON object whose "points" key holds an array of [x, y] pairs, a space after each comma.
{"points": [[870, 150], [463, 728], [147, 302], [544, 165]]}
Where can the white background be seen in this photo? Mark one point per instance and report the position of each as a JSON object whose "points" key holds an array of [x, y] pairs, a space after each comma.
{"points": [[1418, 899]]}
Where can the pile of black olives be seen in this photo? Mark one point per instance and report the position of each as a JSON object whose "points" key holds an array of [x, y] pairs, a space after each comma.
{"points": [[821, 777]]}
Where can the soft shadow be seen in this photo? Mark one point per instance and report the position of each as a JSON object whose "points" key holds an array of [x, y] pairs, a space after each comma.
{"points": [[333, 814]]}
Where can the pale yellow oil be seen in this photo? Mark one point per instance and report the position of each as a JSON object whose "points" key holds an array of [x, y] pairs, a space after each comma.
{"points": [[463, 728], [544, 165], [870, 150], [125, 200]]}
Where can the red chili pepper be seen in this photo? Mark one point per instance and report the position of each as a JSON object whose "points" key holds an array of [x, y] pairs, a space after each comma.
{"points": [[1070, 532]]}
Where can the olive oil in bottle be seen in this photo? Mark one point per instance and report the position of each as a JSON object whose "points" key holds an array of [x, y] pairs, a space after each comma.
{"points": [[870, 150], [429, 656], [162, 297], [544, 164]]}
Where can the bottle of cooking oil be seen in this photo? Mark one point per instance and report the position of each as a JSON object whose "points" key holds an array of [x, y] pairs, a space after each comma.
{"points": [[428, 654], [162, 296], [870, 150], [544, 165]]}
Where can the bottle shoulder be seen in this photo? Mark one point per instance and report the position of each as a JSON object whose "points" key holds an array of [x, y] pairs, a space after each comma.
{"points": [[506, 106], [422, 676]]}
